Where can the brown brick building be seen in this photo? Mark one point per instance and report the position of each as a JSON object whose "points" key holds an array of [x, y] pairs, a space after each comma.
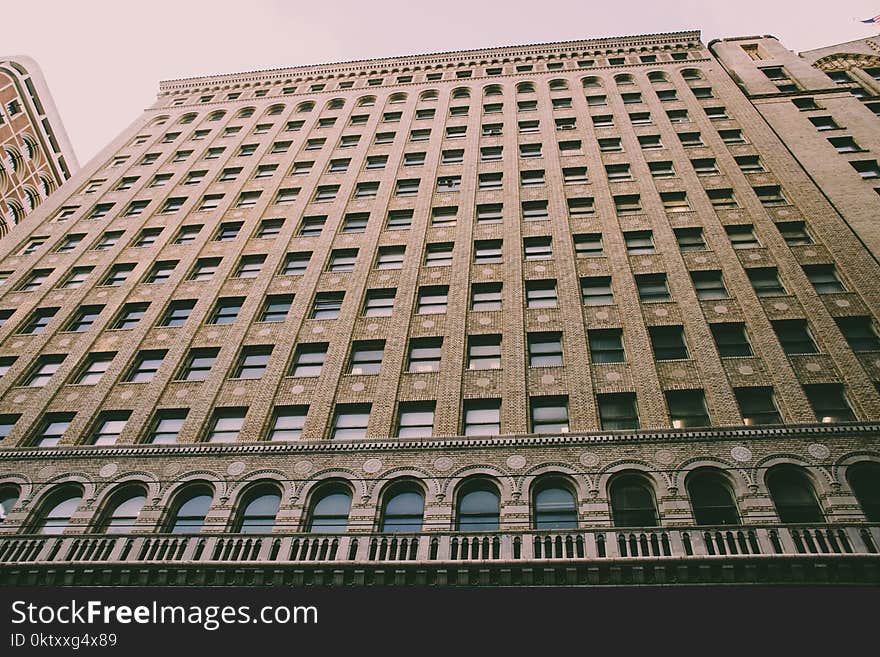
{"points": [[35, 154], [567, 313]]}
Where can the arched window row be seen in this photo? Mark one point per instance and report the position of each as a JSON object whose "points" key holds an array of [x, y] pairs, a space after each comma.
{"points": [[553, 503]]}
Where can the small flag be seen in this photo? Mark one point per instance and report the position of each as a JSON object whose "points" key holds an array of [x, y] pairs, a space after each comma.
{"points": [[876, 19]]}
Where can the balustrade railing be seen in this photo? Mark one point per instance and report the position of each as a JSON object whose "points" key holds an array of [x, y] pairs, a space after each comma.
{"points": [[433, 547]]}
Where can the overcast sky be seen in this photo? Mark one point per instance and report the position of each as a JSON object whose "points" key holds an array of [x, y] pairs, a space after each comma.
{"points": [[103, 59]]}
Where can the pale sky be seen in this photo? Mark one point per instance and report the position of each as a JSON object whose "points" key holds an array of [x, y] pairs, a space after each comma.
{"points": [[103, 59]]}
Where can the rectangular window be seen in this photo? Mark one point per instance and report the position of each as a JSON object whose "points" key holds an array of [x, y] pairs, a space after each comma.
{"points": [[757, 406], [93, 368], [75, 278], [587, 245], [312, 226], [538, 248], [82, 319], [37, 321], [668, 342], [742, 236], [628, 204], [227, 231], [177, 313], [327, 305], [197, 364], [308, 359], [449, 183], [675, 201], [486, 296], [491, 180], [432, 299], [690, 238], [439, 254], [350, 421], [488, 251], [130, 315], [374, 163], [147, 237], [829, 402], [145, 366], [287, 422], [639, 242], [541, 294], [606, 345], [160, 271], [824, 279], [482, 417], [794, 336], [661, 169], [535, 211], [226, 424], [270, 228], [366, 357], [226, 310], [390, 257], [325, 193], [617, 172], [749, 164], [204, 269], [709, 284], [618, 411], [252, 362], [355, 222], [652, 287], [42, 370], [108, 428], [484, 352], [859, 333], [167, 425], [731, 340], [399, 220], [286, 196], [295, 264], [687, 408], [424, 354], [415, 419], [52, 429], [342, 260], [275, 308], [766, 282], [596, 291], [549, 414], [529, 127], [545, 349]]}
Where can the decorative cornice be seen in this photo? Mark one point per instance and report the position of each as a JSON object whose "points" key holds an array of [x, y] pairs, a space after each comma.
{"points": [[513, 440], [845, 61], [632, 41]]}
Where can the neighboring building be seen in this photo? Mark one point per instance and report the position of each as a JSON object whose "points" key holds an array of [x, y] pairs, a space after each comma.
{"points": [[823, 104], [567, 313], [35, 154]]}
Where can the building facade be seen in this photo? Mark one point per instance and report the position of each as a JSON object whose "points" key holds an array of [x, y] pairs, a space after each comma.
{"points": [[823, 104], [36, 155], [568, 313]]}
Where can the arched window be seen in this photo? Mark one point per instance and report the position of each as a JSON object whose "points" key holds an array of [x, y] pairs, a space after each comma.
{"points": [[55, 513], [123, 510], [591, 82], [188, 118], [397, 98], [245, 113], [658, 76], [275, 110], [793, 495], [461, 92], [258, 511], [525, 88], [368, 101], [478, 506], [330, 507], [692, 74], [864, 479], [632, 502], [190, 509], [558, 84], [492, 90], [711, 498], [404, 508], [624, 79], [554, 505], [307, 106], [219, 114], [335, 104], [8, 499]]}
